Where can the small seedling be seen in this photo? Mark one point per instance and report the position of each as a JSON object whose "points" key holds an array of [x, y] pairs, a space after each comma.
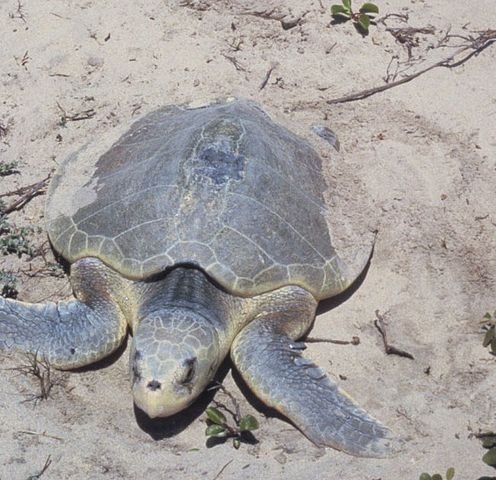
{"points": [[219, 427], [450, 473], [8, 284], [490, 336], [360, 19]]}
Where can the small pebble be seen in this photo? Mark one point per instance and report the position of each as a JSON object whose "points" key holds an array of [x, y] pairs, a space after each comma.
{"points": [[96, 62]]}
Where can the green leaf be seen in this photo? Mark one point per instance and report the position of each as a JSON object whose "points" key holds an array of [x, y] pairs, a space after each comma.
{"points": [[487, 315], [216, 416], [436, 476], [215, 431], [340, 11], [369, 9], [489, 336], [364, 22], [425, 476], [490, 457], [489, 442], [450, 473], [248, 423], [236, 443], [347, 4], [493, 346]]}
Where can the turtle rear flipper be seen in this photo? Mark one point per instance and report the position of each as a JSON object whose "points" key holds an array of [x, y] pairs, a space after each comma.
{"points": [[272, 366]]}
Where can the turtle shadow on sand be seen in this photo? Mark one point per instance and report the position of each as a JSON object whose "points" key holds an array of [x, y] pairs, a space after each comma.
{"points": [[329, 304]]}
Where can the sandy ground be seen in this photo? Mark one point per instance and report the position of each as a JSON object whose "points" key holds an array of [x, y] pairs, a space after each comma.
{"points": [[417, 162]]}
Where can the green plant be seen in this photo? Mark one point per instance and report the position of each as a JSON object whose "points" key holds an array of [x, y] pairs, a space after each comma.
{"points": [[14, 240], [8, 284], [450, 473], [218, 426], [360, 19], [489, 442], [490, 336], [8, 168]]}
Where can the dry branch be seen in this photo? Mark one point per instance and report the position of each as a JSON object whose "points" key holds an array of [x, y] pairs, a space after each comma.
{"points": [[389, 349], [474, 46], [25, 195]]}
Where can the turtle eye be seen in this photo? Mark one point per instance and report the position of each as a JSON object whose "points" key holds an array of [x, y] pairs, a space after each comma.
{"points": [[189, 371]]}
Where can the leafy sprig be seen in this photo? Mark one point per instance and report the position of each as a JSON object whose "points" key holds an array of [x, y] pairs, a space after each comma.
{"points": [[360, 19], [218, 426]]}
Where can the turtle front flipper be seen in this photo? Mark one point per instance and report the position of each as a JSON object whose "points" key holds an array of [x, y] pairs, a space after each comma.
{"points": [[67, 334], [273, 367]]}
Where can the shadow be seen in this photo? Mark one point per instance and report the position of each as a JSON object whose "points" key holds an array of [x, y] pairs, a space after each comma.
{"points": [[245, 437], [104, 362], [339, 20], [160, 428], [66, 266], [358, 28]]}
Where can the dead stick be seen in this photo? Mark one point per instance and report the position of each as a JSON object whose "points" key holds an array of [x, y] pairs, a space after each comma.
{"points": [[41, 434], [27, 193], [237, 413], [353, 341], [478, 45], [389, 349], [222, 469], [38, 475], [267, 77]]}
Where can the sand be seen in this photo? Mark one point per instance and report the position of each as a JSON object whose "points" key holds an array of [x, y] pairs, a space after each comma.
{"points": [[417, 163]]}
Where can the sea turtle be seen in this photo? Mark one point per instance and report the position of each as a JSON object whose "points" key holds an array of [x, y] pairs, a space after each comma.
{"points": [[204, 231]]}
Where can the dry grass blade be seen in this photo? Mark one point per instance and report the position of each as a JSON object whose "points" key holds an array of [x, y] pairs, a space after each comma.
{"points": [[38, 475]]}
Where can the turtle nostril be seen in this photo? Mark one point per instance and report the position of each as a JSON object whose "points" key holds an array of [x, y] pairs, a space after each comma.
{"points": [[154, 385]]}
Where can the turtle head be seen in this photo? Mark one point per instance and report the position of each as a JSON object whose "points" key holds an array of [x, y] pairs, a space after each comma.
{"points": [[174, 355]]}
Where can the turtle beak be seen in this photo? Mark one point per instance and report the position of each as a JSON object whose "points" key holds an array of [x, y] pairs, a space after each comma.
{"points": [[157, 398], [151, 397]]}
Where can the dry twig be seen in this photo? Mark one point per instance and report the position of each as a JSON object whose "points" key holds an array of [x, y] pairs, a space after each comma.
{"points": [[474, 46], [38, 475], [267, 76], [390, 349], [236, 414], [42, 371], [235, 62], [354, 341], [40, 434], [25, 195], [19, 13], [222, 469], [75, 117]]}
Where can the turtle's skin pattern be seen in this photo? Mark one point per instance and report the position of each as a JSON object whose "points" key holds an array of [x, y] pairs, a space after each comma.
{"points": [[204, 232]]}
